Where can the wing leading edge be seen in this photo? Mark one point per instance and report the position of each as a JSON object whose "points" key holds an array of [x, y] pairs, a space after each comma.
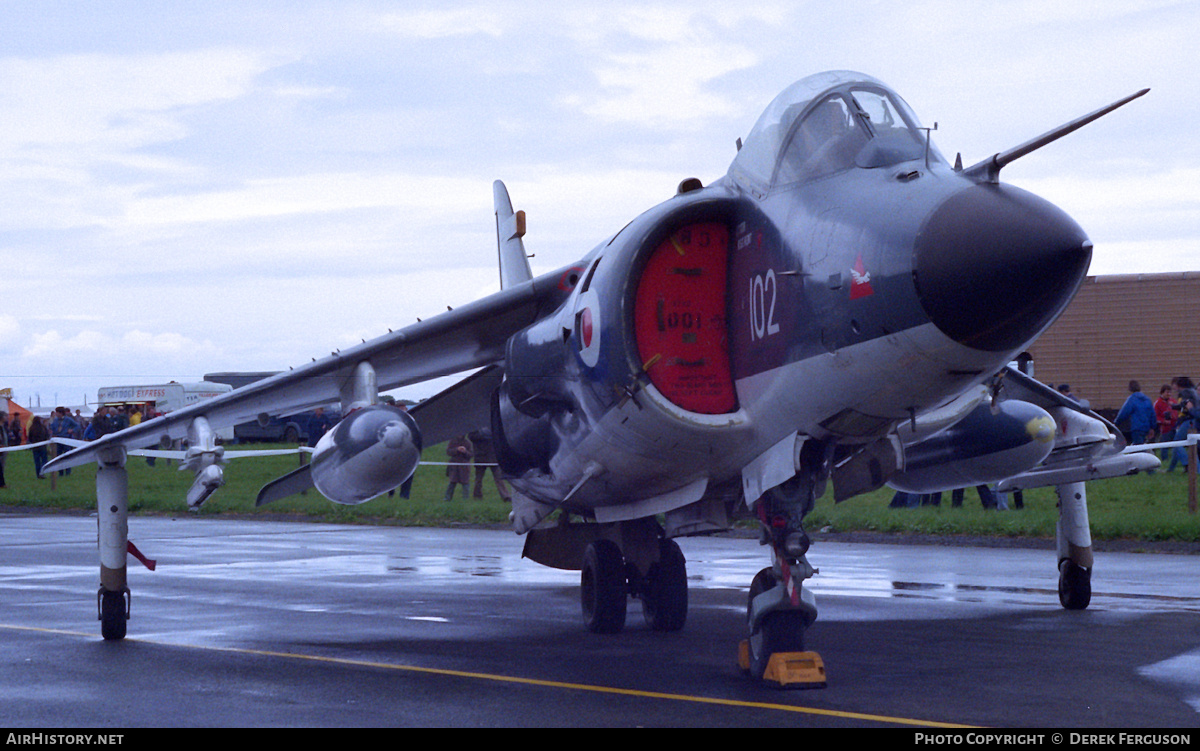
{"points": [[469, 337]]}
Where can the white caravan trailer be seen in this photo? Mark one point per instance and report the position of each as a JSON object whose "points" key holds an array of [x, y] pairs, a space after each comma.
{"points": [[160, 398]]}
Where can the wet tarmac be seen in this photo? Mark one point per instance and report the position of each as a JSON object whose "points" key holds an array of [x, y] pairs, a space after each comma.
{"points": [[248, 623]]}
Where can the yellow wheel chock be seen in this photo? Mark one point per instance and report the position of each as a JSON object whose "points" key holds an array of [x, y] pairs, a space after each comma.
{"points": [[788, 669]]}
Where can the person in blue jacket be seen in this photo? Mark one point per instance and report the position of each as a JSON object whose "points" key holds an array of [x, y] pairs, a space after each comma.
{"points": [[1139, 410], [64, 426]]}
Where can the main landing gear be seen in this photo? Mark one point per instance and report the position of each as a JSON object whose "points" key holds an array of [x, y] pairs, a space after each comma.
{"points": [[634, 559], [653, 571]]}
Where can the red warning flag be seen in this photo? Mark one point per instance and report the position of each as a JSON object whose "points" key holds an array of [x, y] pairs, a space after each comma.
{"points": [[133, 551]]}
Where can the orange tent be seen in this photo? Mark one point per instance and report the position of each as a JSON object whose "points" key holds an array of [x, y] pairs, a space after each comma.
{"points": [[12, 408]]}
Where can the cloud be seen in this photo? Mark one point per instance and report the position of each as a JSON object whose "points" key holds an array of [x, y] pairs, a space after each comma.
{"points": [[1133, 204], [10, 332], [77, 127], [1145, 256], [97, 353], [115, 101], [666, 88], [655, 66], [442, 23], [284, 179], [310, 194]]}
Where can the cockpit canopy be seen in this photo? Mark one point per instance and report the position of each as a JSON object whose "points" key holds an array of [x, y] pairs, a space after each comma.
{"points": [[827, 123]]}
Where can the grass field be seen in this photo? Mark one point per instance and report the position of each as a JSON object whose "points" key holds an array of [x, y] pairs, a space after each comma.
{"points": [[1143, 507]]}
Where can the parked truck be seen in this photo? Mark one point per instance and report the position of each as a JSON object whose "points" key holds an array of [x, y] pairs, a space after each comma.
{"points": [[291, 428]]}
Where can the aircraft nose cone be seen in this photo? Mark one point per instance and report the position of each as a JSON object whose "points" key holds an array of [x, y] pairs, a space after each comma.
{"points": [[994, 265]]}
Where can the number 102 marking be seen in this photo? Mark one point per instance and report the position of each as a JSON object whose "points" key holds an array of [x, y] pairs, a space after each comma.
{"points": [[762, 313]]}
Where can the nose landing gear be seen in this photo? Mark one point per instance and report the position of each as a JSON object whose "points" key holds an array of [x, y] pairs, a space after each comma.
{"points": [[780, 609], [775, 652]]}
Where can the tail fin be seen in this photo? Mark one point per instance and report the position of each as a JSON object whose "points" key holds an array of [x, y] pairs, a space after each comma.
{"points": [[510, 228]]}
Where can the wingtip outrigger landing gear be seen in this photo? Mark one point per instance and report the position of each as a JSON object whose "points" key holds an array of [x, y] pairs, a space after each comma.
{"points": [[112, 499], [1074, 547]]}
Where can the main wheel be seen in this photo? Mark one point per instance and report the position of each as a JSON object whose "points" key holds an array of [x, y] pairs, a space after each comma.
{"points": [[1074, 585], [113, 615], [665, 601], [603, 587]]}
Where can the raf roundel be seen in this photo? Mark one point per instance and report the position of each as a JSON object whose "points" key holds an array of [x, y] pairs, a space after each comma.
{"points": [[587, 327]]}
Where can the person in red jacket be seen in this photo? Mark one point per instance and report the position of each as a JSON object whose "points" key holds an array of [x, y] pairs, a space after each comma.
{"points": [[1164, 412]]}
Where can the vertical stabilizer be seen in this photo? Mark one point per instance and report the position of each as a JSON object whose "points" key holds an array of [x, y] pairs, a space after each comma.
{"points": [[510, 228]]}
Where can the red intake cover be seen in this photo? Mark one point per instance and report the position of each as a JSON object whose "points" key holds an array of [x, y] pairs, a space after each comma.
{"points": [[679, 319]]}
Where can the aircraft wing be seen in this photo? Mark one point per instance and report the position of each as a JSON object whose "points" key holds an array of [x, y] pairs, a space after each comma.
{"points": [[465, 338], [28, 446], [1015, 431], [1086, 446], [1017, 385], [463, 407]]}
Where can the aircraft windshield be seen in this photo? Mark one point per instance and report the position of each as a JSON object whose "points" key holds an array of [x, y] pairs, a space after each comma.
{"points": [[825, 124], [826, 141]]}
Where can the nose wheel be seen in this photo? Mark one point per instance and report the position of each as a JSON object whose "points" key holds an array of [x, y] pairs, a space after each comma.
{"points": [[777, 631], [774, 653], [779, 607]]}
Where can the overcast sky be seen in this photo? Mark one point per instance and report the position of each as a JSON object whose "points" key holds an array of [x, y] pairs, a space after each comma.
{"points": [[197, 187]]}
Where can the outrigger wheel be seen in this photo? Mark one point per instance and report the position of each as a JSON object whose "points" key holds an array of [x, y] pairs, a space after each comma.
{"points": [[113, 607], [1074, 585]]}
